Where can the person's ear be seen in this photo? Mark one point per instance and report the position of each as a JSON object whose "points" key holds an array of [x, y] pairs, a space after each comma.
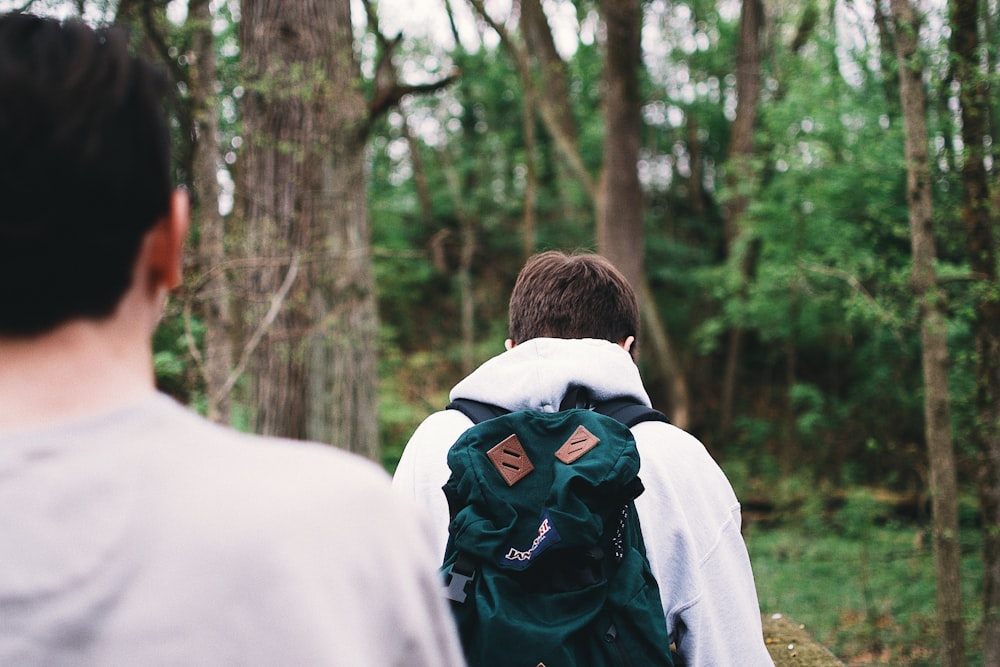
{"points": [[509, 344], [166, 256], [627, 344]]}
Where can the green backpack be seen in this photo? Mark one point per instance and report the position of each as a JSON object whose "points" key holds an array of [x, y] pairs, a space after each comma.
{"points": [[545, 563]]}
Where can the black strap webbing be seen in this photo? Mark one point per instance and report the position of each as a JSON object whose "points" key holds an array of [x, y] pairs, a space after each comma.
{"points": [[476, 410], [626, 410], [630, 412]]}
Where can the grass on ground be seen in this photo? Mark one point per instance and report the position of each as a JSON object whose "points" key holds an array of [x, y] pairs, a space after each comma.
{"points": [[862, 585]]}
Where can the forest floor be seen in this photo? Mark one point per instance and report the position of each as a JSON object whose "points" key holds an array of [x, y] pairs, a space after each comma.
{"points": [[864, 590]]}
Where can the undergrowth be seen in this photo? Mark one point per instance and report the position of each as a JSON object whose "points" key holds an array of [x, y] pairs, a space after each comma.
{"points": [[862, 582]]}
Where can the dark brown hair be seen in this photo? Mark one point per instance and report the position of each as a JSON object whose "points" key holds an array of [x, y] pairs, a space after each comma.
{"points": [[572, 296], [84, 169]]}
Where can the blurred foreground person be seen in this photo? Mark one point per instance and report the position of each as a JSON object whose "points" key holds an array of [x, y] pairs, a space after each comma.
{"points": [[132, 531]]}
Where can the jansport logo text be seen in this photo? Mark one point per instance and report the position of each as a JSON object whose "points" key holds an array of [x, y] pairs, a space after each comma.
{"points": [[547, 536]]}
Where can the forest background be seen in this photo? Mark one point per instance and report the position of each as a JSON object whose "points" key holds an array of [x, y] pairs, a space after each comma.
{"points": [[804, 193]]}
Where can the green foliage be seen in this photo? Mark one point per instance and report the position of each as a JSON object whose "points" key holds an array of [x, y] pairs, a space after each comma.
{"points": [[175, 373], [408, 394], [861, 513], [809, 403]]}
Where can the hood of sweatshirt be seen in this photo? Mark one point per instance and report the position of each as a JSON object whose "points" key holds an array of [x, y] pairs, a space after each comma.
{"points": [[536, 374]]}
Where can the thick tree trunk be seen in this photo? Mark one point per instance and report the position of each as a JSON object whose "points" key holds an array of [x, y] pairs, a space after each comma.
{"points": [[302, 200], [982, 254], [217, 349], [933, 338], [342, 404]]}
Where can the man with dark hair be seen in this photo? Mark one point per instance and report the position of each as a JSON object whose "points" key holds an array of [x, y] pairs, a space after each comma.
{"points": [[85, 170], [573, 321], [573, 296], [133, 531]]}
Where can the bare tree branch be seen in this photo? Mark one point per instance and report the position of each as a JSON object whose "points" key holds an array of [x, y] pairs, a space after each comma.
{"points": [[276, 302], [386, 99]]}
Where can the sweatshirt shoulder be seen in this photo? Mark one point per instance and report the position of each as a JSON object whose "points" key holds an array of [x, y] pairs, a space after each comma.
{"points": [[441, 425], [217, 462], [671, 456]]}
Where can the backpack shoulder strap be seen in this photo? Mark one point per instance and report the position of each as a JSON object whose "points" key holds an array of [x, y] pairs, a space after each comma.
{"points": [[477, 411], [630, 412], [626, 410]]}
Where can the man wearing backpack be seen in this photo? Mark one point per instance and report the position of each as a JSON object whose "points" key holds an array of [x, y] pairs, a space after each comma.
{"points": [[133, 531], [573, 323]]}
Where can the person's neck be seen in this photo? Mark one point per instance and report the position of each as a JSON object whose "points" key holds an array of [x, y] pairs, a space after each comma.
{"points": [[80, 368]]}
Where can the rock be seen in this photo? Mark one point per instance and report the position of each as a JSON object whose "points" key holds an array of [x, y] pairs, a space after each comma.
{"points": [[789, 644]]}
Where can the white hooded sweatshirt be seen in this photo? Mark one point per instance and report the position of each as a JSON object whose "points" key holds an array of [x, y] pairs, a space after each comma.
{"points": [[689, 514]]}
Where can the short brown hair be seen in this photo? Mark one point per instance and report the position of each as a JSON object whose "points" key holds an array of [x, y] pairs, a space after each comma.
{"points": [[558, 295]]}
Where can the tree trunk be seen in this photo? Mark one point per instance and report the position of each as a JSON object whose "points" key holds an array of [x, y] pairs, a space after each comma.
{"points": [[696, 182], [982, 254], [739, 179], [739, 171], [302, 201], [620, 204], [468, 232], [419, 175], [529, 221], [887, 54], [678, 401], [933, 338], [217, 349]]}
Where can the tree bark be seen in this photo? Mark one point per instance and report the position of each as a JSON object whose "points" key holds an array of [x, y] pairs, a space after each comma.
{"points": [[302, 199], [887, 54], [678, 401], [982, 254], [620, 235], [933, 338], [468, 232], [529, 220], [696, 182], [619, 205], [217, 349], [739, 180]]}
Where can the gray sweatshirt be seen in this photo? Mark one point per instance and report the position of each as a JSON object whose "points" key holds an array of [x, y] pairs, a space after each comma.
{"points": [[148, 536]]}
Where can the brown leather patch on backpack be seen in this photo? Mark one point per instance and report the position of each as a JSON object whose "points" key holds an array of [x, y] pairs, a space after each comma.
{"points": [[581, 442], [510, 460]]}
